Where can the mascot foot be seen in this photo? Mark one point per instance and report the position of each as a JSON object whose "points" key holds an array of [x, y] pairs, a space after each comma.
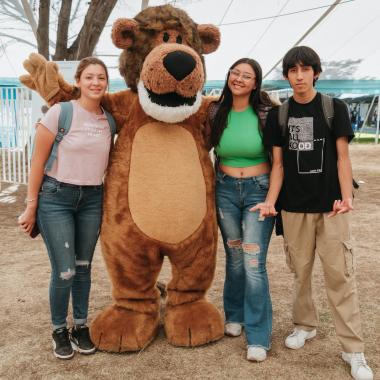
{"points": [[117, 329], [193, 324]]}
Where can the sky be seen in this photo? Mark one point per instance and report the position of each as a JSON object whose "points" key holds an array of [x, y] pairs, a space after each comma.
{"points": [[349, 35]]}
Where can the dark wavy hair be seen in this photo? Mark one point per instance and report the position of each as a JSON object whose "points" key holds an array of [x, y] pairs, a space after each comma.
{"points": [[302, 55], [257, 99]]}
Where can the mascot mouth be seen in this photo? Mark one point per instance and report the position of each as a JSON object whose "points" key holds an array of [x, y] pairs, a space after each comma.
{"points": [[171, 99], [168, 108]]}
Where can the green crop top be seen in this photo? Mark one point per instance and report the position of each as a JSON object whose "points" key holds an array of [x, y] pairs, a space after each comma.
{"points": [[241, 143]]}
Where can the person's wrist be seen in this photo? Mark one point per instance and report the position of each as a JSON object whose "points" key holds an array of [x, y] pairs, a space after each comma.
{"points": [[32, 205], [31, 200]]}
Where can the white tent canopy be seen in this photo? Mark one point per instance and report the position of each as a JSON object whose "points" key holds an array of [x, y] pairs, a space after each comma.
{"points": [[347, 37]]}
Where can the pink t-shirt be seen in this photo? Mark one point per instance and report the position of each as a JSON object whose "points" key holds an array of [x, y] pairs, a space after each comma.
{"points": [[82, 155]]}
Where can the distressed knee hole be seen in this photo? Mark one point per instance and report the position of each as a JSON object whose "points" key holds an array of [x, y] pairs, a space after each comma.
{"points": [[83, 263], [67, 275], [254, 263], [234, 243], [251, 248], [67, 244]]}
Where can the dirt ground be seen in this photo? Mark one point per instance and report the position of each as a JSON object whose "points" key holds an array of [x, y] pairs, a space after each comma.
{"points": [[25, 340]]}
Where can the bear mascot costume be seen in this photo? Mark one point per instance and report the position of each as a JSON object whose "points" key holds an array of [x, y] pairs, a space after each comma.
{"points": [[159, 187]]}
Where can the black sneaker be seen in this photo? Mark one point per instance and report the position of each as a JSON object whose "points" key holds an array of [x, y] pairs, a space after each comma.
{"points": [[81, 341], [61, 344]]}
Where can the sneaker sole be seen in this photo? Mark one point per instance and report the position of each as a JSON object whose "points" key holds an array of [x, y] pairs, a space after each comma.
{"points": [[254, 359], [81, 350], [66, 357], [311, 336]]}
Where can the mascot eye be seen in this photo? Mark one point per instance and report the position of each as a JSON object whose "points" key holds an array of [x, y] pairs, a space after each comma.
{"points": [[179, 40], [165, 37]]}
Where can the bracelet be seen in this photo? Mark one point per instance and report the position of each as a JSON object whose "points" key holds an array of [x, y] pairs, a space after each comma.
{"points": [[30, 200]]}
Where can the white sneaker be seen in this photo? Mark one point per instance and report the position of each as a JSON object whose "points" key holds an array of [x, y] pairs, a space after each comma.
{"points": [[359, 368], [256, 354], [298, 338], [232, 329]]}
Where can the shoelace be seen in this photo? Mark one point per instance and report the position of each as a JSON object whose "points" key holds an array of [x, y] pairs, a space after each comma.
{"points": [[359, 359], [61, 336]]}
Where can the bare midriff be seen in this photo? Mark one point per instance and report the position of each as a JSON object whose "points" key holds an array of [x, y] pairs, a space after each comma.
{"points": [[249, 171]]}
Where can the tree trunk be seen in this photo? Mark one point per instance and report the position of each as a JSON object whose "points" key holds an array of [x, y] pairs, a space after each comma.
{"points": [[94, 22], [63, 30], [43, 28]]}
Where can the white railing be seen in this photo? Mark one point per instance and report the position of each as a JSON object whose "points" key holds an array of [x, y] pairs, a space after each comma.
{"points": [[16, 134]]}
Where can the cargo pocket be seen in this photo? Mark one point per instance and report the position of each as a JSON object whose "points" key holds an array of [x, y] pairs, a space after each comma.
{"points": [[288, 257], [349, 258]]}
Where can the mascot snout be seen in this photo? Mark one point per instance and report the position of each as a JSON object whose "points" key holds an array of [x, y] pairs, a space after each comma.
{"points": [[171, 82]]}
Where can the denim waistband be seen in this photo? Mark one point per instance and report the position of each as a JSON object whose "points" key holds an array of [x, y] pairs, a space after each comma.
{"points": [[223, 175], [64, 184]]}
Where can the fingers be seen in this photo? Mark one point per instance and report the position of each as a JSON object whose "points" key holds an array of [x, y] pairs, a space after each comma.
{"points": [[27, 81], [331, 214], [266, 210], [37, 59], [65, 86], [255, 208]]}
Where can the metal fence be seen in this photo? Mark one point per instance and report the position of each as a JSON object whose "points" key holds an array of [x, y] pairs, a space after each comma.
{"points": [[16, 134]]}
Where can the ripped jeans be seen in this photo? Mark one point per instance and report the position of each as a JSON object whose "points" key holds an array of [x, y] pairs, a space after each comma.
{"points": [[246, 294], [69, 218]]}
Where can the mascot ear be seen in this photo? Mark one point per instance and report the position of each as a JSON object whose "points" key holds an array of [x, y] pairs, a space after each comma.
{"points": [[123, 32], [210, 37]]}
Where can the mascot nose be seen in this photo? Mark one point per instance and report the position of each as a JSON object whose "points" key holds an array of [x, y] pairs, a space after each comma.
{"points": [[179, 64]]}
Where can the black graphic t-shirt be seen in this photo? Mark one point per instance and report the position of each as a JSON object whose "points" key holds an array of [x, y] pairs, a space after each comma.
{"points": [[311, 181]]}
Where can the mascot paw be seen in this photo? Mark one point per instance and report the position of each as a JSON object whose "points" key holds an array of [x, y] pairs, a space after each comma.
{"points": [[193, 324], [117, 329]]}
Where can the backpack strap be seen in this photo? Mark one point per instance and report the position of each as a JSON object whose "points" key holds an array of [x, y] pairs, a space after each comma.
{"points": [[111, 122], [283, 111], [64, 124], [328, 109]]}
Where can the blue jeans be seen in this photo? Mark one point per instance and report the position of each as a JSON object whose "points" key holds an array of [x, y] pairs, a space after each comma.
{"points": [[246, 289], [69, 218]]}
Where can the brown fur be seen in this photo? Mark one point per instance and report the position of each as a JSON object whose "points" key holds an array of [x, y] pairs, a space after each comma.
{"points": [[135, 242], [152, 21]]}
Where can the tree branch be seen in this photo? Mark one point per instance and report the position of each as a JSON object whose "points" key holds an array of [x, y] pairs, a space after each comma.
{"points": [[18, 39], [43, 28], [62, 30], [94, 22]]}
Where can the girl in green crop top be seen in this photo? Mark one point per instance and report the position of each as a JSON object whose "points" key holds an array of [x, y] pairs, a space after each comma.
{"points": [[236, 122]]}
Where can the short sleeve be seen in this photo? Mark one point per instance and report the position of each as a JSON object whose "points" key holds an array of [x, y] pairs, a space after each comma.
{"points": [[272, 131], [341, 125], [50, 119]]}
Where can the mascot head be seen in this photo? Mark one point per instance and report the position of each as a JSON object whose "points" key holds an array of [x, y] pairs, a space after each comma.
{"points": [[162, 60]]}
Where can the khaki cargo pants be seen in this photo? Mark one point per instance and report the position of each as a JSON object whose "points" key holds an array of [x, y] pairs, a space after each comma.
{"points": [[304, 235]]}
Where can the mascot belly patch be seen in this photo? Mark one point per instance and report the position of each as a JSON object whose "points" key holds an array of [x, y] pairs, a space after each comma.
{"points": [[164, 164]]}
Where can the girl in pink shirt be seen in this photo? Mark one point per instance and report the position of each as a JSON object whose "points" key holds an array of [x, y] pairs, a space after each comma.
{"points": [[66, 203]]}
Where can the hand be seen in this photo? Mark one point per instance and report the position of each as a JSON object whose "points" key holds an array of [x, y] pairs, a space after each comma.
{"points": [[45, 78], [266, 209], [341, 207], [27, 220]]}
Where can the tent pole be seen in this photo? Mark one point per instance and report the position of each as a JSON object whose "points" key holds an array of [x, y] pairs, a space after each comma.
{"points": [[377, 120]]}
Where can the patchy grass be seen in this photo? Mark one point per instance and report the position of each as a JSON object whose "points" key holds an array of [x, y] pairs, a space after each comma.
{"points": [[25, 343]]}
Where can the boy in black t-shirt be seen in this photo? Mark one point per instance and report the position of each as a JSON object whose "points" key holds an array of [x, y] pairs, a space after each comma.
{"points": [[312, 168]]}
